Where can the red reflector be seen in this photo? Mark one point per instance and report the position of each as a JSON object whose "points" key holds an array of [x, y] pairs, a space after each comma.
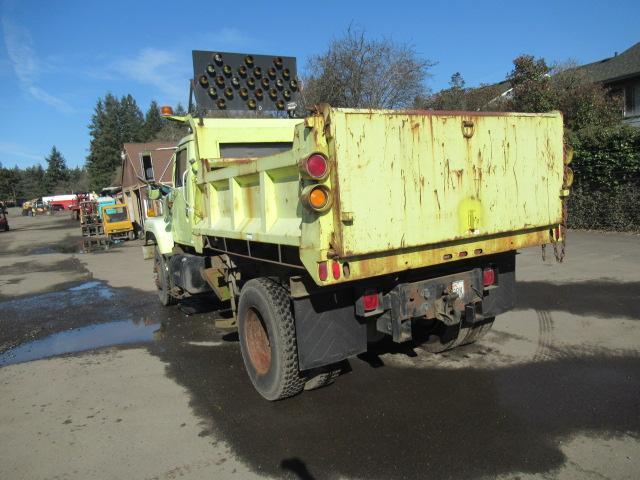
{"points": [[317, 166], [323, 273], [370, 300], [335, 269], [557, 233], [488, 276]]}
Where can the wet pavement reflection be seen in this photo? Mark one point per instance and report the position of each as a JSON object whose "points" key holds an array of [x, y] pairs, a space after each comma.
{"points": [[376, 421]]}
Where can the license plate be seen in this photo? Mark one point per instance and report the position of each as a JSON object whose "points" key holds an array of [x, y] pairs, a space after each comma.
{"points": [[458, 287]]}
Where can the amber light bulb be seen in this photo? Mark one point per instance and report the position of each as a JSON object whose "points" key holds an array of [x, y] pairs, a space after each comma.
{"points": [[213, 93], [242, 70], [265, 82], [251, 104], [272, 72], [277, 62], [251, 82], [273, 93], [280, 104], [248, 60], [257, 72], [259, 94], [286, 73], [221, 104], [211, 70], [204, 80], [217, 58], [244, 93]]}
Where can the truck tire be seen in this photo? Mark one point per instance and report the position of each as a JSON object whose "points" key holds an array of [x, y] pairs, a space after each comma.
{"points": [[131, 235], [442, 337], [161, 277], [478, 331], [322, 379], [267, 334]]}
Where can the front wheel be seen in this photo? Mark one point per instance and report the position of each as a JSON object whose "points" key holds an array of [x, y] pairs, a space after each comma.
{"points": [[268, 339], [161, 278]]}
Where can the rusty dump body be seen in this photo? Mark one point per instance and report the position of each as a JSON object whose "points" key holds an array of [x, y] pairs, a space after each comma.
{"points": [[458, 184], [409, 189]]}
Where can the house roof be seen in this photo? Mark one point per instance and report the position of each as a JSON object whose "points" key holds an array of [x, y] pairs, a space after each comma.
{"points": [[161, 153], [618, 67]]}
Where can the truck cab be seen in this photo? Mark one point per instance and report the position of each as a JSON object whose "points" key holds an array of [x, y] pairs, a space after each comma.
{"points": [[116, 223]]}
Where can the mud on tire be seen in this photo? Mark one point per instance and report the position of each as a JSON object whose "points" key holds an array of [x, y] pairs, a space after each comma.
{"points": [[267, 334]]}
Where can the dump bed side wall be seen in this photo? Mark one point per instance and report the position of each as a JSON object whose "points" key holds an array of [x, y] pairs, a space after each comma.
{"points": [[407, 180]]}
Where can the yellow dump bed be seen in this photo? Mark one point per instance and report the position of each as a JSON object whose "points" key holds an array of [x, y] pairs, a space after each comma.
{"points": [[409, 188], [420, 178]]}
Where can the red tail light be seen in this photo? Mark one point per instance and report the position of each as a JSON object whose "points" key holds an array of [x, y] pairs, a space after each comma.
{"points": [[335, 269], [316, 166], [370, 300], [323, 272], [488, 276]]}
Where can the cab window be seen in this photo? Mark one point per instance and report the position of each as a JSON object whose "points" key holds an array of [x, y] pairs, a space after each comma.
{"points": [[181, 165]]}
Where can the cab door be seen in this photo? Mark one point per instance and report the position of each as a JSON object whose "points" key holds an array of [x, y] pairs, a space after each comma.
{"points": [[182, 208]]}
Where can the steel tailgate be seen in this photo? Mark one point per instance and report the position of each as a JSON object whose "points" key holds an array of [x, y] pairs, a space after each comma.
{"points": [[409, 179]]}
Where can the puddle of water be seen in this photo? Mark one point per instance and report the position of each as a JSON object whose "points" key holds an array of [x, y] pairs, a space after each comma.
{"points": [[81, 339], [71, 297], [84, 245]]}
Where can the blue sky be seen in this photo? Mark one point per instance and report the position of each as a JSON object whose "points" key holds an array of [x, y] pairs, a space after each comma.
{"points": [[58, 57]]}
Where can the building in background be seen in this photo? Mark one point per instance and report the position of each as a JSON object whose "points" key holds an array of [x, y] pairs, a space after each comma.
{"points": [[620, 73], [141, 163]]}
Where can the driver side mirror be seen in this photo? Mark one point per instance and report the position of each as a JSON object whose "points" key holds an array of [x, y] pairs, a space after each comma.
{"points": [[154, 194]]}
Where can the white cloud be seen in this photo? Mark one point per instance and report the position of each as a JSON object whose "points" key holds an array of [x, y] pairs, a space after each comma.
{"points": [[169, 70], [10, 149], [162, 69], [27, 66]]}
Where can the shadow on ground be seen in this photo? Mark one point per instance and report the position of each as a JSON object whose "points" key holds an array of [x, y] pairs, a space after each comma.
{"points": [[409, 423], [600, 298]]}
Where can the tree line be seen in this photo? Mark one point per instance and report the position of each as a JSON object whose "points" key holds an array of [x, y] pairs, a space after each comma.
{"points": [[115, 121], [357, 71]]}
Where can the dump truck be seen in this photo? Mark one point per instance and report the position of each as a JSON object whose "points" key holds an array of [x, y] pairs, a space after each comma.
{"points": [[329, 232]]}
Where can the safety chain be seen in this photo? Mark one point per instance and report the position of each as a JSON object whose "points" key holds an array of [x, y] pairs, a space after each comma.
{"points": [[559, 247]]}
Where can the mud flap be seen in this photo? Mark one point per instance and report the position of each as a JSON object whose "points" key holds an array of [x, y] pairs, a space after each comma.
{"points": [[327, 329]]}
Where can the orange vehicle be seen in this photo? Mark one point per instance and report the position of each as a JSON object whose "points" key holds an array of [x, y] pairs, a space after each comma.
{"points": [[116, 222]]}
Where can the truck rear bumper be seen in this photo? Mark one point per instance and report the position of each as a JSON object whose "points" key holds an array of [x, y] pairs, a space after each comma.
{"points": [[331, 324]]}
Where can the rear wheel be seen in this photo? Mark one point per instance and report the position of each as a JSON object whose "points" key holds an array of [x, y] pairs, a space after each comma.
{"points": [[161, 278], [478, 330], [131, 235], [441, 337], [268, 340], [322, 378]]}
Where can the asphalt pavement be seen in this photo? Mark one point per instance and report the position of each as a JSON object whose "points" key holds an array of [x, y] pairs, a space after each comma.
{"points": [[97, 380]]}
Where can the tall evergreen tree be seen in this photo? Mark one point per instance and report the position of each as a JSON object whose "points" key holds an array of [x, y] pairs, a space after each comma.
{"points": [[114, 122], [32, 182], [152, 121], [57, 171]]}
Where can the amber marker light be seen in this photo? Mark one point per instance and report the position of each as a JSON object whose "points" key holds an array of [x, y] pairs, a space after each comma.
{"points": [[166, 111], [316, 197]]}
